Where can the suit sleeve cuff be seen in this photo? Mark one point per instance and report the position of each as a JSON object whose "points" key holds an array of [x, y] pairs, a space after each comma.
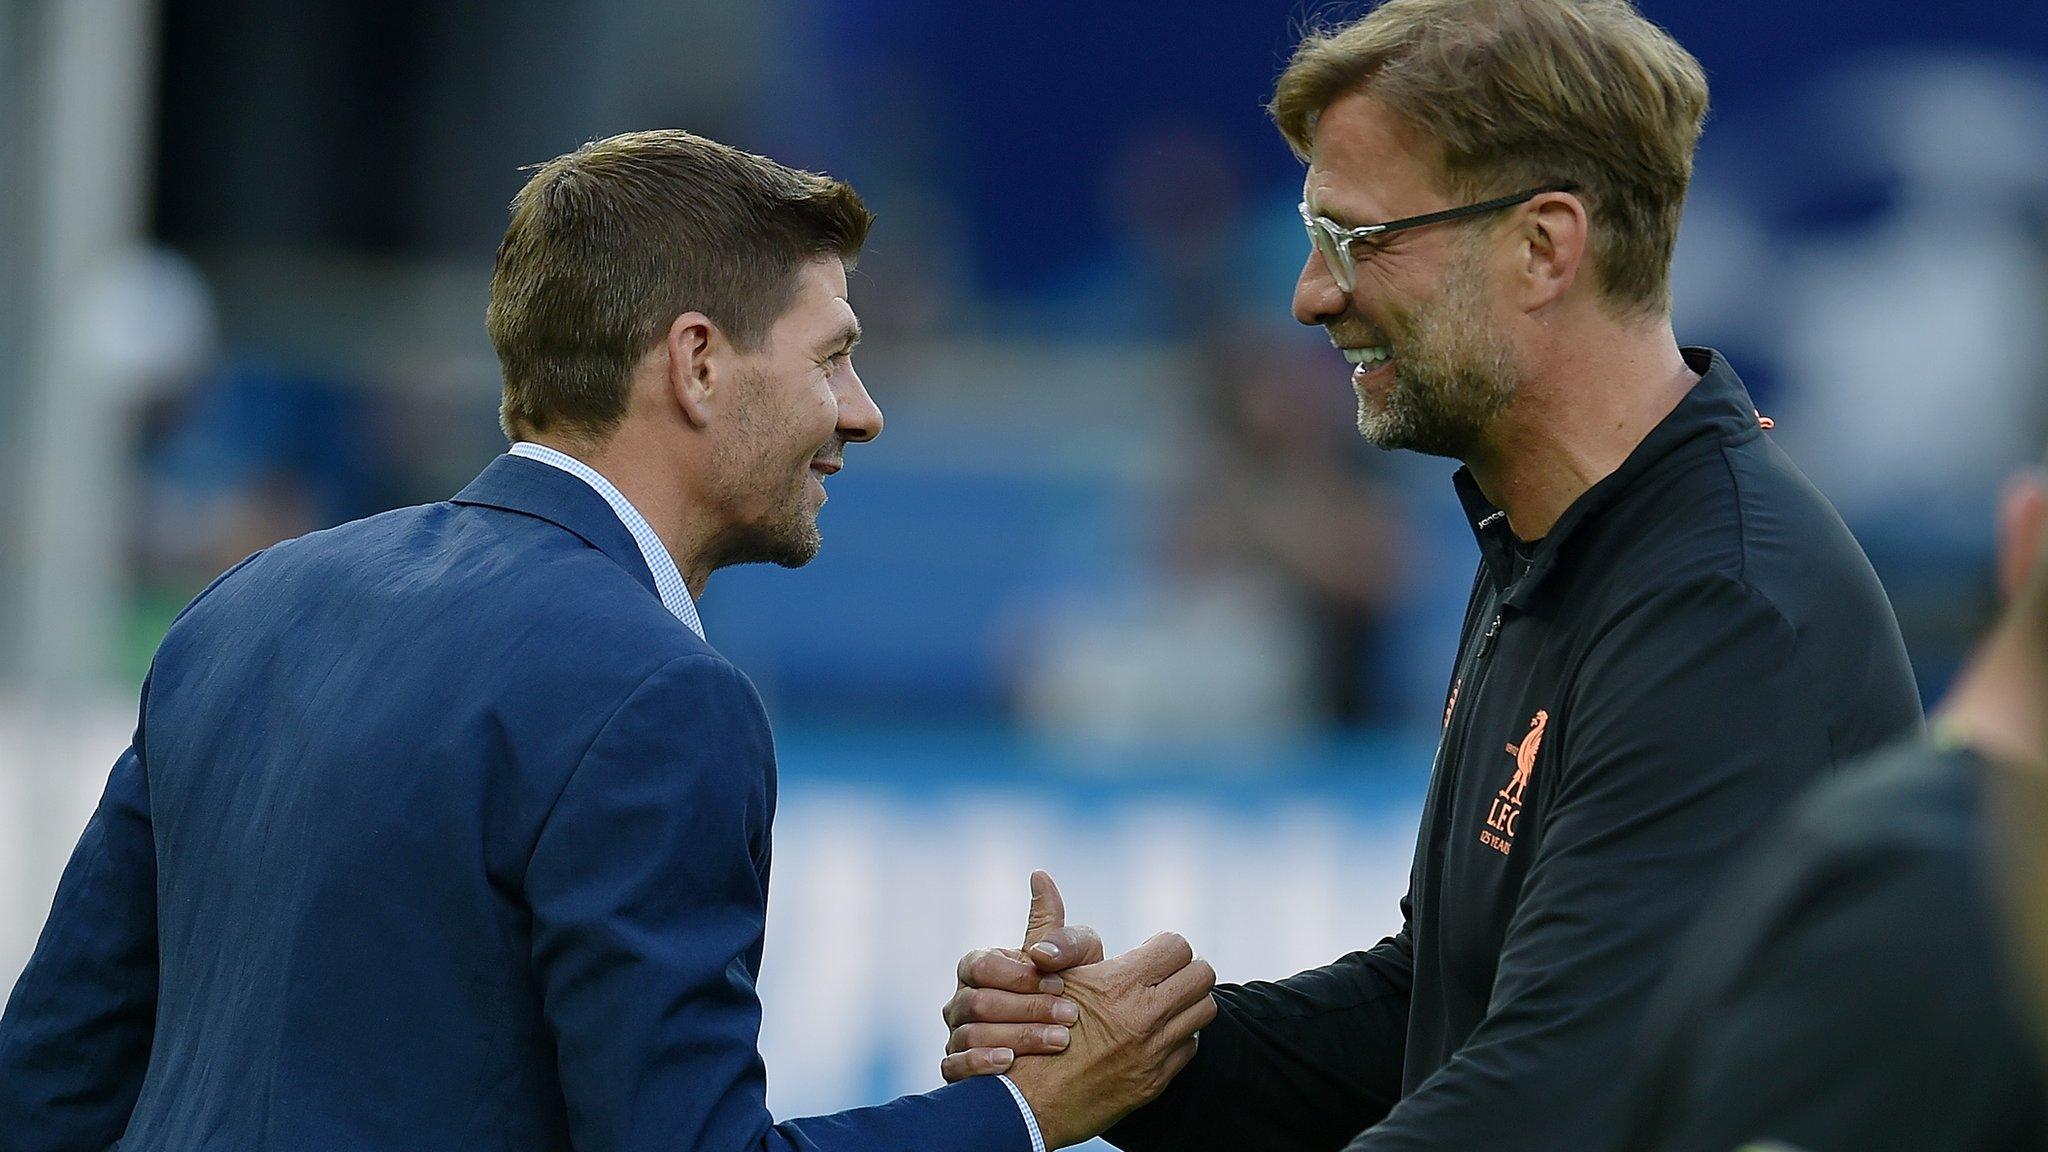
{"points": [[1030, 1120]]}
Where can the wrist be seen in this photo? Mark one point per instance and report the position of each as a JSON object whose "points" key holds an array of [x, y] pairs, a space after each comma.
{"points": [[1030, 1114], [1041, 1102]]}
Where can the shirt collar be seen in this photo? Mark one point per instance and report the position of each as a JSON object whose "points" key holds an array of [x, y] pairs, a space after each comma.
{"points": [[668, 581], [1717, 410]]}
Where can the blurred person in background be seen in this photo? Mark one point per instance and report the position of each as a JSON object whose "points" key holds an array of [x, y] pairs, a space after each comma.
{"points": [[1853, 985], [1279, 561], [1278, 504], [447, 828], [1671, 633], [2016, 811]]}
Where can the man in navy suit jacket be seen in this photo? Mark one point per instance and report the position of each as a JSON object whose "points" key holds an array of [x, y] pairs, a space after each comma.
{"points": [[446, 828]]}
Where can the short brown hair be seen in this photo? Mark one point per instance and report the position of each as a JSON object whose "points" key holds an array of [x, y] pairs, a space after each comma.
{"points": [[610, 243], [1520, 93]]}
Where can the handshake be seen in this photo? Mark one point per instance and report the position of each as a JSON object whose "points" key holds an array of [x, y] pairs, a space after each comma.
{"points": [[1087, 1040]]}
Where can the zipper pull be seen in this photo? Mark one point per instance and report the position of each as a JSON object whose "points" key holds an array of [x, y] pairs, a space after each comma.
{"points": [[1486, 641]]}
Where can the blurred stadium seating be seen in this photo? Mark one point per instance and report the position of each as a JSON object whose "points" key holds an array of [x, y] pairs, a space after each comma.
{"points": [[256, 237]]}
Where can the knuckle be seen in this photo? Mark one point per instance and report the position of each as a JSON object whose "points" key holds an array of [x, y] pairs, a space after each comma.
{"points": [[983, 966], [1008, 971]]}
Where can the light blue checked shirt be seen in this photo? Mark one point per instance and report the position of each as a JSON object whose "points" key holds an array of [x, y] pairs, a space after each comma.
{"points": [[668, 582], [675, 596]]}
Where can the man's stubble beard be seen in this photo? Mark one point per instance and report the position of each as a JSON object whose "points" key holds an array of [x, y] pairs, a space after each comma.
{"points": [[786, 533], [1453, 374]]}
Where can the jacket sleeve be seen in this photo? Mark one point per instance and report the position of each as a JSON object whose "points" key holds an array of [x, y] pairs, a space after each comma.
{"points": [[1297, 1065], [75, 1040], [1691, 727], [648, 889]]}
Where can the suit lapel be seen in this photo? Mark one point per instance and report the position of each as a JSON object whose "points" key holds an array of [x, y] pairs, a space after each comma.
{"points": [[532, 488]]}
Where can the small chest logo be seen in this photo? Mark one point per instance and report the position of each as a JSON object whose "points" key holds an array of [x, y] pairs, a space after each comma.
{"points": [[1505, 813]]}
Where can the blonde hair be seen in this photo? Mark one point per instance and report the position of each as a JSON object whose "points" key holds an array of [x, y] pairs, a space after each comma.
{"points": [[1519, 93]]}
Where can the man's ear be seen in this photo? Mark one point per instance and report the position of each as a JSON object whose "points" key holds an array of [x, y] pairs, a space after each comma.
{"points": [[2022, 530], [697, 356], [1551, 242]]}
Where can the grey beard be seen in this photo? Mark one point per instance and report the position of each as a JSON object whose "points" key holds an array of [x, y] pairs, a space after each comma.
{"points": [[1438, 415], [1453, 375]]}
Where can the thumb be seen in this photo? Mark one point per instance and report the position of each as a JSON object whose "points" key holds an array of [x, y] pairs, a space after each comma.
{"points": [[1048, 911]]}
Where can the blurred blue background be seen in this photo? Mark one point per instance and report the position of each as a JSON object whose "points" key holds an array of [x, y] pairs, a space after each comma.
{"points": [[1119, 593]]}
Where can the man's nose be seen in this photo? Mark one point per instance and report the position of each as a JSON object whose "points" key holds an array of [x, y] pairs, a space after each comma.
{"points": [[1317, 298], [860, 419]]}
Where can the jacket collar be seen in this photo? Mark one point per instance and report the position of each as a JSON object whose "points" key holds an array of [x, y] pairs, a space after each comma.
{"points": [[532, 488], [1716, 410]]}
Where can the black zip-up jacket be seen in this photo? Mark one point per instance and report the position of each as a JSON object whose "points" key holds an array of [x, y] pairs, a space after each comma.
{"points": [[1851, 988], [1696, 640]]}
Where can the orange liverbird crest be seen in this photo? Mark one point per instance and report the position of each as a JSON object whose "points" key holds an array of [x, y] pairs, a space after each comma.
{"points": [[1504, 815], [1525, 758]]}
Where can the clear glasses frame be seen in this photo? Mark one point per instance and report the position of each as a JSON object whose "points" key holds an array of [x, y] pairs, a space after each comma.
{"points": [[1334, 240]]}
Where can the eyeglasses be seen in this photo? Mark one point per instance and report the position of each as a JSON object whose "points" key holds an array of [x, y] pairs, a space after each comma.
{"points": [[1334, 240]]}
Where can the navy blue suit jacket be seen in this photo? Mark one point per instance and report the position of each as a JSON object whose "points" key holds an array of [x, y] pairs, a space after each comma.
{"points": [[437, 831]]}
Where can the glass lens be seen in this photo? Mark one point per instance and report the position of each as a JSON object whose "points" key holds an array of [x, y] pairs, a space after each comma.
{"points": [[1336, 254]]}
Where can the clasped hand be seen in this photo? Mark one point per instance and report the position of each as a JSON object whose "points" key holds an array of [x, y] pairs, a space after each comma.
{"points": [[1087, 1040]]}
